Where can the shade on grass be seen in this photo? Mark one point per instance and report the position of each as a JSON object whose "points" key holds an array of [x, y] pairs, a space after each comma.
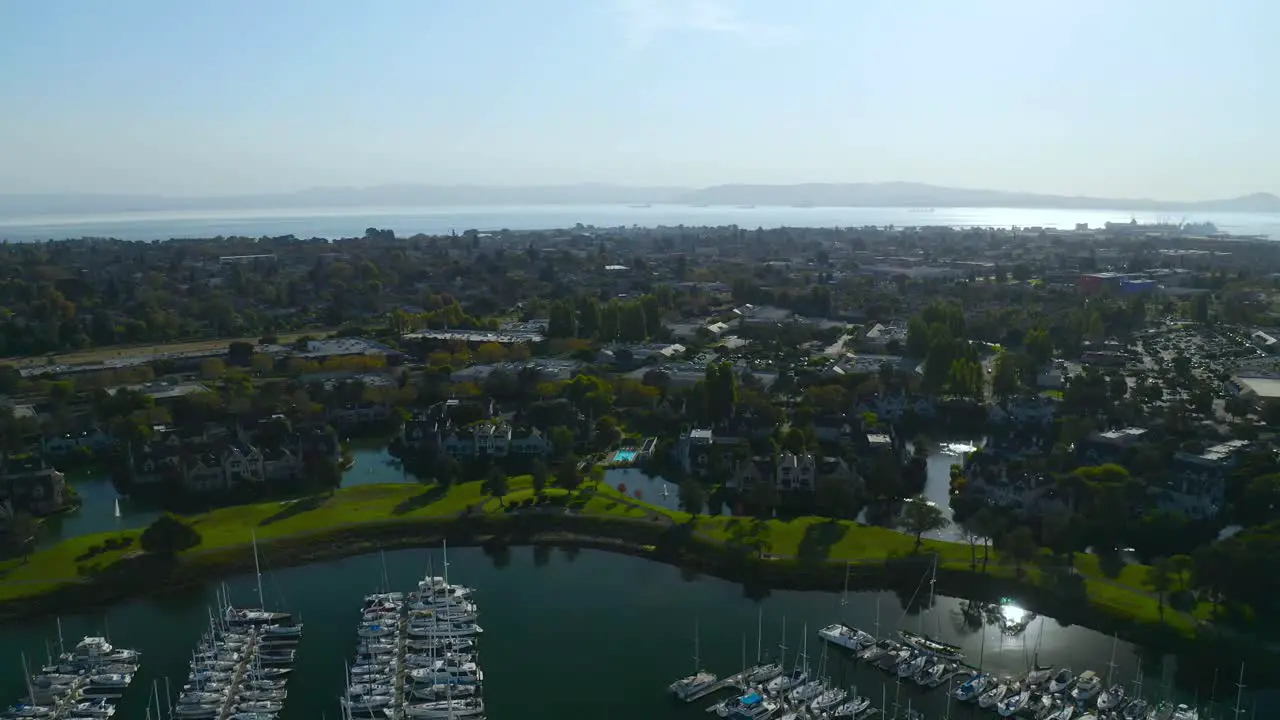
{"points": [[810, 538]]}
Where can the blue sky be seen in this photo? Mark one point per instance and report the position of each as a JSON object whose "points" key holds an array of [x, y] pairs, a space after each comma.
{"points": [[1174, 99]]}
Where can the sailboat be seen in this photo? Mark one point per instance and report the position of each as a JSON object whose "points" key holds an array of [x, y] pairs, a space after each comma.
{"points": [[259, 615], [1038, 674], [701, 682], [798, 675], [840, 633], [118, 507], [1113, 696], [763, 672], [922, 642]]}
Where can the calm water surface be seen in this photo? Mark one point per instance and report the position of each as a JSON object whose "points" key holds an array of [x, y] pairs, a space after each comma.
{"points": [[567, 634], [350, 222]]}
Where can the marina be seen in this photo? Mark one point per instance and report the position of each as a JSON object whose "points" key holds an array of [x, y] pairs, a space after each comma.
{"points": [[416, 655], [1042, 692], [574, 622], [81, 684]]}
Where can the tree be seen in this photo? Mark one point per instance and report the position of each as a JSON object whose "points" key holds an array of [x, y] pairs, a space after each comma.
{"points": [[540, 475], [1159, 578], [692, 496], [495, 484], [567, 476], [836, 497], [323, 471], [971, 535], [1038, 346], [169, 535], [1004, 377], [1183, 565], [1020, 545], [920, 516], [212, 368]]}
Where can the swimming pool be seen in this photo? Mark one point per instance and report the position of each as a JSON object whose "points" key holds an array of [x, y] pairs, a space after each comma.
{"points": [[624, 456]]}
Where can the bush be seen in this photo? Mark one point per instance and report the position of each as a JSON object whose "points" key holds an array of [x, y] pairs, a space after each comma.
{"points": [[169, 535]]}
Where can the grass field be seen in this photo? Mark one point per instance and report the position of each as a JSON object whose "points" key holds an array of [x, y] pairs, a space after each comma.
{"points": [[809, 538], [116, 352]]}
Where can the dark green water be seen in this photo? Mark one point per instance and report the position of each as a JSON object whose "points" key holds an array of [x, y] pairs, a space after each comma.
{"points": [[567, 634]]}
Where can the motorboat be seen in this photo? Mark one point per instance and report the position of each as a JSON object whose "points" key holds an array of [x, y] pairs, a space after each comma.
{"points": [[912, 665], [934, 675], [994, 696], [852, 708], [457, 644], [807, 692], [890, 661], [1087, 686], [1136, 710], [1013, 704], [829, 698], [973, 688], [469, 707], [846, 637], [253, 716], [268, 706], [1111, 698], [749, 706], [1185, 712], [786, 681], [878, 650], [686, 688], [1061, 680], [29, 711], [1038, 675], [448, 671]]}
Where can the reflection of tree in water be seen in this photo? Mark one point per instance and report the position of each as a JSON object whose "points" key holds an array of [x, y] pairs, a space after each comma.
{"points": [[973, 615], [541, 555], [570, 552], [914, 601], [499, 552]]}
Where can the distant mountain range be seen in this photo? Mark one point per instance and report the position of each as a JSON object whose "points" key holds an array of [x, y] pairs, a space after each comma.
{"points": [[894, 194]]}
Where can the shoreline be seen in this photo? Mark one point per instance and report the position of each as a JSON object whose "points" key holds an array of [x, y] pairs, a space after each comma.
{"points": [[147, 575]]}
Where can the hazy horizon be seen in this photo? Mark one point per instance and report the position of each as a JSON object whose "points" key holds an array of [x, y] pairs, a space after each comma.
{"points": [[1147, 100]]}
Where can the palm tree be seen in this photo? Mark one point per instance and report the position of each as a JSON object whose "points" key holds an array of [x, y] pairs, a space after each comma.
{"points": [[988, 525]]}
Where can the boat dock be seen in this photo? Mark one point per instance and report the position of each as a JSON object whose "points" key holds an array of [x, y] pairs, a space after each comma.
{"points": [[88, 680]]}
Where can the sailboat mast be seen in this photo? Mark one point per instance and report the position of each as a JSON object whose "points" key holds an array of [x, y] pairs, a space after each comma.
{"points": [[782, 645], [257, 570], [26, 675], [697, 662], [444, 554], [62, 647], [1111, 664], [1240, 692], [844, 597], [759, 635]]}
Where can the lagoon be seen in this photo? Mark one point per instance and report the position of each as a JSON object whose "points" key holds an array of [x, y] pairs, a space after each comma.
{"points": [[572, 634]]}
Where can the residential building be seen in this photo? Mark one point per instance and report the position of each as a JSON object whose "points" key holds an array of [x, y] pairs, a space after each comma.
{"points": [[29, 484], [1112, 446], [1196, 485]]}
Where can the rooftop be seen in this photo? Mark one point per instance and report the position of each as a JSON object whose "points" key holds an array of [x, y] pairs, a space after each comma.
{"points": [[1263, 387]]}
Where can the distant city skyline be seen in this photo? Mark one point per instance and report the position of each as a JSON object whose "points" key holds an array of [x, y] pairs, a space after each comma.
{"points": [[1168, 100]]}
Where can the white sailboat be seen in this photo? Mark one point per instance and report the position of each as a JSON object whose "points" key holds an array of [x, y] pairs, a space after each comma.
{"points": [[693, 686], [798, 675], [842, 634]]}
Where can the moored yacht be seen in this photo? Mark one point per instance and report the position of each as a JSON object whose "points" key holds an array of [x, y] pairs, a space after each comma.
{"points": [[828, 699], [469, 707], [1014, 704], [786, 681], [807, 691], [877, 650], [991, 698], [749, 706], [846, 637], [853, 708], [1111, 698], [1087, 686], [1061, 680]]}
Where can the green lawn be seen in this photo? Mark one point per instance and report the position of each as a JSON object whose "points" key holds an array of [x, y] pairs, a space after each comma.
{"points": [[812, 538]]}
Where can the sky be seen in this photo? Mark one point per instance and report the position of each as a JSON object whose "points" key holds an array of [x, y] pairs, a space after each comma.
{"points": [[1167, 99]]}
